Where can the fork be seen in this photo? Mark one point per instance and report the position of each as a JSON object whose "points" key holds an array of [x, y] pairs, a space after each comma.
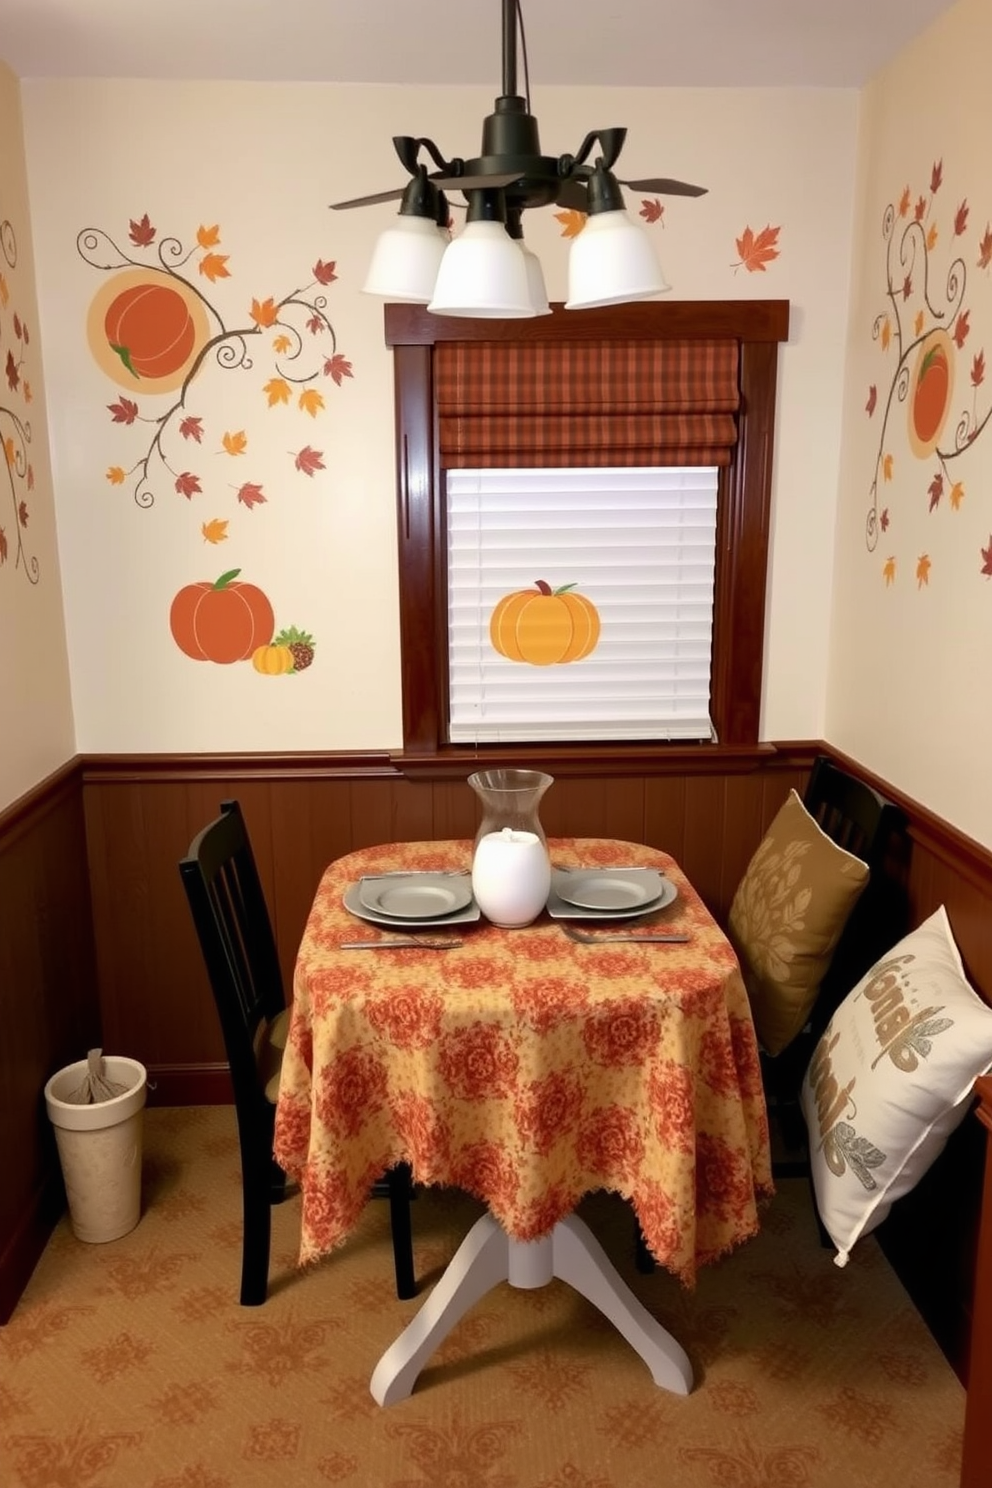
{"points": [[420, 944], [583, 938]]}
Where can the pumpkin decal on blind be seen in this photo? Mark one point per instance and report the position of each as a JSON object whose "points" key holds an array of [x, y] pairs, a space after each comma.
{"points": [[544, 626]]}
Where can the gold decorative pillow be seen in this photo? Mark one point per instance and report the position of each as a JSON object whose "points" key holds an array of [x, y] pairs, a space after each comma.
{"points": [[787, 917]]}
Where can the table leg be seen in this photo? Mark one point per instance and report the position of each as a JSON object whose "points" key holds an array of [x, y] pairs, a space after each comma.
{"points": [[488, 1256]]}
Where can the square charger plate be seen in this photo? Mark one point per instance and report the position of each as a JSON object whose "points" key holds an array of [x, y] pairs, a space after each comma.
{"points": [[352, 900], [561, 909]]}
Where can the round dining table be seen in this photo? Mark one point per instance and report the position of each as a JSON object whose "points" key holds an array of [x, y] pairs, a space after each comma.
{"points": [[528, 1069]]}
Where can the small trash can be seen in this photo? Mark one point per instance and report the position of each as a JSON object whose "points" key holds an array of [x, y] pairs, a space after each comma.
{"points": [[100, 1146]]}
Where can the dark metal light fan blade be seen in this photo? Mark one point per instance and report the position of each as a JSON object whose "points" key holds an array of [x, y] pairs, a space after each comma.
{"points": [[369, 201], [474, 183], [665, 187]]}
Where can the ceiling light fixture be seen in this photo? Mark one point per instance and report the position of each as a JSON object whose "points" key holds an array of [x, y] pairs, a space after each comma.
{"points": [[486, 270]]}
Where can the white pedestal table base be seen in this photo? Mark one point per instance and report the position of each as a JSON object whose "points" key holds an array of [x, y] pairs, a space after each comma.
{"points": [[488, 1256]]}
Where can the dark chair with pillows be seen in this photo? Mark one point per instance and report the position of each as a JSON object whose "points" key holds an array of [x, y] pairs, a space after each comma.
{"points": [[239, 949], [855, 912]]}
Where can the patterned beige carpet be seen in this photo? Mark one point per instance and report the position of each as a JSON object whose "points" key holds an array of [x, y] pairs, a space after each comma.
{"points": [[131, 1365]]}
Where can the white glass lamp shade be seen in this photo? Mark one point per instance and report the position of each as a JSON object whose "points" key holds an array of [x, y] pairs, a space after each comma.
{"points": [[483, 274], [535, 281], [405, 261], [612, 262]]}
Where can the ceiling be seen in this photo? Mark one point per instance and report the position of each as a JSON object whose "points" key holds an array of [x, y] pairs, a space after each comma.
{"points": [[642, 43]]}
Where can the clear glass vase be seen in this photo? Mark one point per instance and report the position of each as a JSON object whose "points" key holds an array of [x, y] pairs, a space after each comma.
{"points": [[511, 869], [510, 798]]}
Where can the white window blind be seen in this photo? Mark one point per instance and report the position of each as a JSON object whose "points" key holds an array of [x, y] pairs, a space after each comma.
{"points": [[638, 544]]}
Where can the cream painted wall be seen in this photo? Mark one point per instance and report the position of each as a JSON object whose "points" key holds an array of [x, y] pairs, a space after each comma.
{"points": [[263, 162], [36, 730], [909, 692]]}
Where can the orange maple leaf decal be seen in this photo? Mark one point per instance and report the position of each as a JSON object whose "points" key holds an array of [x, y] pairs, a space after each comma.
{"points": [[872, 400], [757, 251], [264, 313], [277, 391], [904, 201], [8, 449], [4, 292], [116, 476], [215, 531], [208, 237], [572, 222], [961, 219], [214, 266], [978, 369], [918, 321], [235, 444], [26, 390], [887, 467], [886, 333], [652, 210], [932, 236], [889, 571], [956, 495], [281, 344], [984, 249], [923, 566], [311, 401]]}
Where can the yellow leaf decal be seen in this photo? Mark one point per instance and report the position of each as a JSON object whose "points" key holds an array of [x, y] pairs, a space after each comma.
{"points": [[886, 334], [215, 531], [281, 344], [572, 223], [311, 402], [264, 312], [4, 292], [277, 391], [214, 266], [904, 201], [8, 449], [889, 571], [932, 236], [235, 444], [887, 465], [957, 495], [116, 476], [923, 567], [26, 388], [918, 323], [208, 237]]}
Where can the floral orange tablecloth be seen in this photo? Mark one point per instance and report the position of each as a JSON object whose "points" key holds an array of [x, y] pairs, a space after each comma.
{"points": [[526, 1069]]}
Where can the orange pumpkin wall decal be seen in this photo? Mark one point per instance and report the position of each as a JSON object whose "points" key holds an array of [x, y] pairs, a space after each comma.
{"points": [[225, 621], [543, 626]]}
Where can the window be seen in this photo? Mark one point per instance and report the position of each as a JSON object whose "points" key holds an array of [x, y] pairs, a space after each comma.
{"points": [[425, 461], [626, 599]]}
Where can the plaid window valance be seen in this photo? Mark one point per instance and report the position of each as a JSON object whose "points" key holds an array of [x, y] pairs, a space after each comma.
{"points": [[586, 403]]}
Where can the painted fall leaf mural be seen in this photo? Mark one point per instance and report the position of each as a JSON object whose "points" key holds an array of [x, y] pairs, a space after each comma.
{"points": [[17, 472], [153, 330], [926, 325], [757, 250]]}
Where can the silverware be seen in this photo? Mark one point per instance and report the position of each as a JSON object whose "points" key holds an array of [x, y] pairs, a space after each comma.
{"points": [[420, 944], [418, 873], [583, 938]]}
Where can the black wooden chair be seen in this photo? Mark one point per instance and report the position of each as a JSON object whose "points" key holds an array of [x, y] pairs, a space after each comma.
{"points": [[864, 823], [235, 933]]}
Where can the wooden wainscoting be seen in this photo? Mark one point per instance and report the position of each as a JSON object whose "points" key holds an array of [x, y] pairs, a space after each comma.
{"points": [[141, 815], [48, 1005]]}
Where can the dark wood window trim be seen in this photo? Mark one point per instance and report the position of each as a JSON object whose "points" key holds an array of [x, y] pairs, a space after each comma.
{"points": [[742, 527]]}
